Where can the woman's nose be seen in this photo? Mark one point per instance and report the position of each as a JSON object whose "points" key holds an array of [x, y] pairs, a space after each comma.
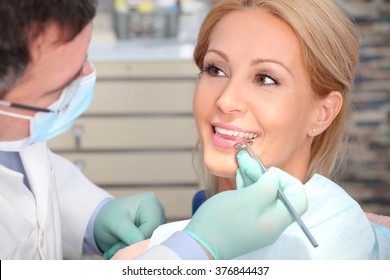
{"points": [[231, 100]]}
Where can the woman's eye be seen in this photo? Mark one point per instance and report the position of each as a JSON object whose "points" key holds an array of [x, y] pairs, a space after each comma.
{"points": [[266, 80], [213, 71]]}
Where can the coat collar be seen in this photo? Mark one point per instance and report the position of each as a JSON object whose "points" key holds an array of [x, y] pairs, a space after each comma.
{"points": [[40, 175]]}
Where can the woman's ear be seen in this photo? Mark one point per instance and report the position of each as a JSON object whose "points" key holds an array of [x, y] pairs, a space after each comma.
{"points": [[327, 110]]}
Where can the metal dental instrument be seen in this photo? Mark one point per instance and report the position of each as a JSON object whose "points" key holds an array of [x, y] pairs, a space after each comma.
{"points": [[282, 196]]}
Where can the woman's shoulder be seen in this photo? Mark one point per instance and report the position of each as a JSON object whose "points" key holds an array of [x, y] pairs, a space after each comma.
{"points": [[321, 187], [330, 202]]}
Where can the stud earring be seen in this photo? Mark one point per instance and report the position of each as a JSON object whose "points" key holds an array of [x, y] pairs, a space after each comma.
{"points": [[313, 130]]}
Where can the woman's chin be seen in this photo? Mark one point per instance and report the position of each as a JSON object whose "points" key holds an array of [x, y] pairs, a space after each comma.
{"points": [[222, 171], [221, 165]]}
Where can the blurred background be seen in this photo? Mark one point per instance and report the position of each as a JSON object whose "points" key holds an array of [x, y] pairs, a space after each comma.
{"points": [[139, 133]]}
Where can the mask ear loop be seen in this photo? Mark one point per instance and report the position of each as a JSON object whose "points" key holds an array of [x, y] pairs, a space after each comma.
{"points": [[15, 115]]}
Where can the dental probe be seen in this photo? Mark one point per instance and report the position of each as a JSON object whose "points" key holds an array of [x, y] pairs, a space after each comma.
{"points": [[282, 196]]}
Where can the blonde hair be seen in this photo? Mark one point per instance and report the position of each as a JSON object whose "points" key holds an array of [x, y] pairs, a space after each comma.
{"points": [[330, 50]]}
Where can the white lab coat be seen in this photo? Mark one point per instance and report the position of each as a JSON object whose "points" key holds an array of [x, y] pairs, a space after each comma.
{"points": [[336, 221], [48, 222]]}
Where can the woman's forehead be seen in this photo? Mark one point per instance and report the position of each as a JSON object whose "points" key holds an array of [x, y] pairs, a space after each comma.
{"points": [[255, 35]]}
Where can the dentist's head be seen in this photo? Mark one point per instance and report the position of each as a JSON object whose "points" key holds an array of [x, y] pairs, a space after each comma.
{"points": [[43, 54]]}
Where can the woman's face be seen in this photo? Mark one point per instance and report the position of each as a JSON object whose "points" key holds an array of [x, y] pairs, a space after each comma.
{"points": [[254, 86]]}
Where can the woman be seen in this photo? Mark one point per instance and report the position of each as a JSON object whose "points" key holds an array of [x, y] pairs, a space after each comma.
{"points": [[279, 73]]}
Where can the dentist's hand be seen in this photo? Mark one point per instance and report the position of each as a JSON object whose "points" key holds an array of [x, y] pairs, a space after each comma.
{"points": [[233, 223], [124, 221], [248, 171]]}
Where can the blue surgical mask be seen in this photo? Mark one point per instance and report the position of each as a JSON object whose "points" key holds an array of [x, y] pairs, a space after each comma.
{"points": [[74, 101]]}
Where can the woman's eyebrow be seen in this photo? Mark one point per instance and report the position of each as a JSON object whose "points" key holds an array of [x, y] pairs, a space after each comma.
{"points": [[254, 62], [265, 60], [220, 53]]}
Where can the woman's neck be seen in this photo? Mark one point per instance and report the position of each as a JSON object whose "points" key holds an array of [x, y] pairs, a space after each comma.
{"points": [[225, 184]]}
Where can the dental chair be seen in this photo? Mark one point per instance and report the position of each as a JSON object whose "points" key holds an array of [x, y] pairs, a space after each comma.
{"points": [[197, 200]]}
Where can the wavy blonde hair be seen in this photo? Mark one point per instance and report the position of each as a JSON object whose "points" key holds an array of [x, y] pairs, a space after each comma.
{"points": [[329, 44]]}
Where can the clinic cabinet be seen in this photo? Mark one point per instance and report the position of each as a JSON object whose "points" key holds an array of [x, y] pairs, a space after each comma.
{"points": [[138, 135]]}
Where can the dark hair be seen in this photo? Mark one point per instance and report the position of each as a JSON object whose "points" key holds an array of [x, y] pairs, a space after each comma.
{"points": [[21, 20]]}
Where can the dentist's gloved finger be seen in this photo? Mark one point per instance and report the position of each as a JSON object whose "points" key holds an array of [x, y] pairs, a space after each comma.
{"points": [[263, 192], [292, 188], [294, 192], [248, 170], [127, 232], [150, 217], [239, 180], [116, 247], [276, 218], [249, 167], [297, 196], [285, 180]]}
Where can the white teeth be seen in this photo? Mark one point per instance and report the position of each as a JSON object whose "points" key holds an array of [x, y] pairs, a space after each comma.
{"points": [[235, 133]]}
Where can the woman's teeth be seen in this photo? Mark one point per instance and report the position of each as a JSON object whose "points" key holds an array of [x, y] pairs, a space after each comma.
{"points": [[235, 133]]}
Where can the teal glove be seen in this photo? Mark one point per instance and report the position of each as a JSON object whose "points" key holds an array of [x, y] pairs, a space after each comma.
{"points": [[249, 170], [233, 223], [124, 221]]}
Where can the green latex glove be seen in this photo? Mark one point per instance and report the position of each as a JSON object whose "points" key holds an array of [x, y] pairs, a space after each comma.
{"points": [[233, 223], [126, 220], [249, 170]]}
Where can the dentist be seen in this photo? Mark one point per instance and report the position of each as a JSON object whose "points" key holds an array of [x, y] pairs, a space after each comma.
{"points": [[49, 210]]}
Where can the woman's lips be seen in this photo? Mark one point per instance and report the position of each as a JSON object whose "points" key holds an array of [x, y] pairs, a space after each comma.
{"points": [[227, 137]]}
